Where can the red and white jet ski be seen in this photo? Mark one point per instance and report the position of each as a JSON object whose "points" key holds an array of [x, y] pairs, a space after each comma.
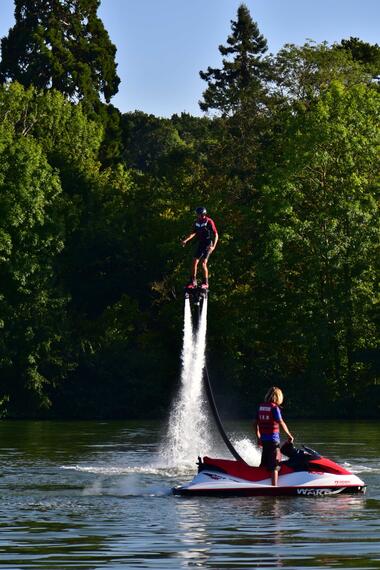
{"points": [[304, 473]]}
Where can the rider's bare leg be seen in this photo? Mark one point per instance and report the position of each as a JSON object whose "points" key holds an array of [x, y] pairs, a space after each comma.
{"points": [[194, 269], [205, 270]]}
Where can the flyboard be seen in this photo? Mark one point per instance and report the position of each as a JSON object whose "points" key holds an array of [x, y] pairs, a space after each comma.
{"points": [[304, 473], [196, 294]]}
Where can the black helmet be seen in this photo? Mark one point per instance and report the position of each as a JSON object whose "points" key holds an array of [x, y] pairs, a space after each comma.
{"points": [[200, 211]]}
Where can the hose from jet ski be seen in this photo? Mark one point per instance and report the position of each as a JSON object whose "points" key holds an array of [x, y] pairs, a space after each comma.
{"points": [[214, 409], [217, 419]]}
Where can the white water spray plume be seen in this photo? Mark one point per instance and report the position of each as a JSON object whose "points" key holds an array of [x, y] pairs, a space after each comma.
{"points": [[188, 432]]}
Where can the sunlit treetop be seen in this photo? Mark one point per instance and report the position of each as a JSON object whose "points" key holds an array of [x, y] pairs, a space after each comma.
{"points": [[60, 44]]}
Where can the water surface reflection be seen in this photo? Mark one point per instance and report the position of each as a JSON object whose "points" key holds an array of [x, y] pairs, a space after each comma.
{"points": [[89, 495]]}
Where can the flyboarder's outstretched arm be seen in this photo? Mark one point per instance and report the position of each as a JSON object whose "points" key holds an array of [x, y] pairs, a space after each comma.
{"points": [[188, 238]]}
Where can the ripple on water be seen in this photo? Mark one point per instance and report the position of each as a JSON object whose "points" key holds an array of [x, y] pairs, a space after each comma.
{"points": [[66, 505]]}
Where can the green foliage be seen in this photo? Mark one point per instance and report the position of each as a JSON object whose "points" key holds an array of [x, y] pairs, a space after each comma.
{"points": [[319, 260], [31, 233], [366, 54], [93, 205], [49, 159], [60, 44], [148, 141], [303, 72]]}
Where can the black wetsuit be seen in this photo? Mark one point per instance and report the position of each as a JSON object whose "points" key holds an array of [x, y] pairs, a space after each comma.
{"points": [[205, 230]]}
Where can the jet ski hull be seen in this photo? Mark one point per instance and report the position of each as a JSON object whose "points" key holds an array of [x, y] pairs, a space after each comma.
{"points": [[228, 487], [214, 480]]}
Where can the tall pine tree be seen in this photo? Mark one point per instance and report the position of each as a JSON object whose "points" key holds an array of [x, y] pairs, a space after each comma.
{"points": [[243, 67], [60, 44]]}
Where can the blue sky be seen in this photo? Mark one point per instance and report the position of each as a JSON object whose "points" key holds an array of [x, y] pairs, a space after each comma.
{"points": [[162, 44]]}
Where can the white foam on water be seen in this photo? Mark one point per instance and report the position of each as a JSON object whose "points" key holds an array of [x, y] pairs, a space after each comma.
{"points": [[107, 470], [157, 468], [132, 486], [361, 468]]}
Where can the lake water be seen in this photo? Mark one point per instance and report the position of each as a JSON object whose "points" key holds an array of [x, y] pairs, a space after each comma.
{"points": [[94, 495]]}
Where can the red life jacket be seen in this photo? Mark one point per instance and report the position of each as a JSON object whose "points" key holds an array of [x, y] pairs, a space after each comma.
{"points": [[267, 424]]}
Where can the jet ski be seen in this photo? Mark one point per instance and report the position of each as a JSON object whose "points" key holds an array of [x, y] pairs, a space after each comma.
{"points": [[304, 473]]}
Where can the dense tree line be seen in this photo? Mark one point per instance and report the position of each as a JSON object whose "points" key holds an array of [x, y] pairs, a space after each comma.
{"points": [[94, 202]]}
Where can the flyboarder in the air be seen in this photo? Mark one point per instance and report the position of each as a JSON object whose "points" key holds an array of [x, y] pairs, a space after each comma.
{"points": [[205, 230]]}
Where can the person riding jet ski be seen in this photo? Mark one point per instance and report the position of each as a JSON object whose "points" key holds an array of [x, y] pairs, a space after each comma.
{"points": [[268, 423]]}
